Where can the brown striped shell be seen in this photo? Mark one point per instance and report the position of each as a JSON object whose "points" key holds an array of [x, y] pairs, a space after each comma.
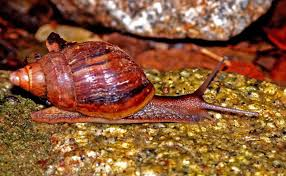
{"points": [[93, 78]]}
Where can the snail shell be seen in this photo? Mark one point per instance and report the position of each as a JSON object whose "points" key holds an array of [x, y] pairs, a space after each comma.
{"points": [[98, 82], [93, 78]]}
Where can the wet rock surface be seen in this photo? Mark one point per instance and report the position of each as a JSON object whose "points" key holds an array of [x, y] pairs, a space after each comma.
{"points": [[227, 144], [209, 20]]}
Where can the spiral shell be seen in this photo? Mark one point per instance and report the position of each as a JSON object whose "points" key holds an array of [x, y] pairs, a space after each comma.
{"points": [[93, 78]]}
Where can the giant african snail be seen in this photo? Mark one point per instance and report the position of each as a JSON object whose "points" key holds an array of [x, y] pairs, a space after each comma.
{"points": [[98, 82]]}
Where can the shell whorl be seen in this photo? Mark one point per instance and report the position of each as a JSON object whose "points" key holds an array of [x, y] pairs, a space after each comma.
{"points": [[30, 78], [93, 78], [107, 83]]}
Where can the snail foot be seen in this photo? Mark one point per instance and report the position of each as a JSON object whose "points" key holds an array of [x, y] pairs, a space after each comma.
{"points": [[55, 115]]}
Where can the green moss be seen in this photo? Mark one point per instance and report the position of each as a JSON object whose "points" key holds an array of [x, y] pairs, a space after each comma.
{"points": [[24, 146]]}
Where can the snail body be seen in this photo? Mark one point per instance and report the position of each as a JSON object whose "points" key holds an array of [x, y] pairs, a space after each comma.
{"points": [[99, 82]]}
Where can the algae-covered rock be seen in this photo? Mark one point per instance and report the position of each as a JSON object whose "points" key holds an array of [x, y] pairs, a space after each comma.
{"points": [[24, 147], [228, 144]]}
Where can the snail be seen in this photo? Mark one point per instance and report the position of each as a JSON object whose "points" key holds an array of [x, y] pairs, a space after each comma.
{"points": [[96, 81]]}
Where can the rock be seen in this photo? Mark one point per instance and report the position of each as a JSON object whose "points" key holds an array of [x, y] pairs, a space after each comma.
{"points": [[209, 20], [68, 33], [225, 145]]}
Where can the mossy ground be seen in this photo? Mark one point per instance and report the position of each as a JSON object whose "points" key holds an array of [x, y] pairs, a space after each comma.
{"points": [[227, 145]]}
